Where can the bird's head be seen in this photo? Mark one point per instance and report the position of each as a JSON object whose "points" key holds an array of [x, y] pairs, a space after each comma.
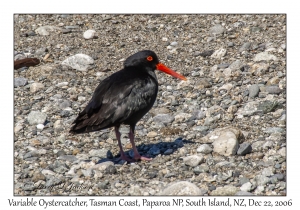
{"points": [[148, 59]]}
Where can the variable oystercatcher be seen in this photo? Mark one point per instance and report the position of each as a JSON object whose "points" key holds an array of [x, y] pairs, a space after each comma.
{"points": [[124, 98]]}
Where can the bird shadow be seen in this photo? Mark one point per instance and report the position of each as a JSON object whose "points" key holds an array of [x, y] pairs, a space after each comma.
{"points": [[151, 150]]}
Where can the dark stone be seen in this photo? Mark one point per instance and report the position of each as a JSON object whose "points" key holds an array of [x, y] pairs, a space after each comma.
{"points": [[111, 170], [206, 53], [244, 149]]}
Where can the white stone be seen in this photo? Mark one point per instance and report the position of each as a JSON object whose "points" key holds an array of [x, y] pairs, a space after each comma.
{"points": [[218, 54], [89, 34], [246, 187], [40, 126]]}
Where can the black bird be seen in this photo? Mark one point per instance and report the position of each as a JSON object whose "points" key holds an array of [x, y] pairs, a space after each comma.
{"points": [[124, 98]]}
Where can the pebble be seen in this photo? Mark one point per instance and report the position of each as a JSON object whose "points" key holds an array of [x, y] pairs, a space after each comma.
{"points": [[262, 180], [218, 54], [101, 153], [193, 160], [264, 56], [226, 143], [174, 44], [246, 187], [152, 134], [20, 81], [40, 126], [163, 118], [282, 151], [230, 44], [70, 158], [245, 148], [227, 190], [205, 149], [206, 53], [217, 29], [245, 46], [80, 62], [267, 172], [36, 117], [274, 130], [181, 188], [253, 90], [89, 34], [45, 30], [38, 176], [35, 87], [201, 169], [273, 89]]}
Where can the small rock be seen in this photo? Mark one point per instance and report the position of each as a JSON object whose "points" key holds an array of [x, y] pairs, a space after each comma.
{"points": [[89, 34], [282, 151], [40, 126], [273, 89], [264, 56], [174, 44], [262, 180], [225, 191], [20, 81], [70, 158], [253, 90], [205, 149], [201, 169], [274, 130], [217, 29], [80, 62], [102, 153], [36, 117], [163, 118], [218, 54], [206, 53], [152, 134], [246, 187], [38, 176], [44, 30], [182, 188], [245, 46], [34, 87], [111, 169], [226, 144], [267, 172], [182, 117], [244, 149], [193, 160], [102, 166]]}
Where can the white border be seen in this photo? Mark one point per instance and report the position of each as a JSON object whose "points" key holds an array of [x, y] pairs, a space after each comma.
{"points": [[152, 6]]}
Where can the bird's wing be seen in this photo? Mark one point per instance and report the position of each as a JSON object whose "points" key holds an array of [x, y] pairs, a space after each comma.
{"points": [[111, 103]]}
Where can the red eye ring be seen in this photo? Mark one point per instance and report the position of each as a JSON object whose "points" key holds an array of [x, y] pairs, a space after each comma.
{"points": [[149, 58]]}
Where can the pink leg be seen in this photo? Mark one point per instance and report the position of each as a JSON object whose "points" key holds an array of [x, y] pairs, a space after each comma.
{"points": [[118, 135], [137, 156]]}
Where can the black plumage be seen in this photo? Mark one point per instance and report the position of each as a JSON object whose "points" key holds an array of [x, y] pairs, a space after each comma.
{"points": [[123, 98]]}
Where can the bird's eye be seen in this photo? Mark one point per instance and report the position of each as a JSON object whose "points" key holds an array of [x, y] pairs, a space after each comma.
{"points": [[149, 58]]}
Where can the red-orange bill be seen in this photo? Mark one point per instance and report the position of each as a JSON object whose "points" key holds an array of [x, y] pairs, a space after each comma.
{"points": [[167, 70]]}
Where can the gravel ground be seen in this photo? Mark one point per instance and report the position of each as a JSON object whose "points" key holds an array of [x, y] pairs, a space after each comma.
{"points": [[223, 132]]}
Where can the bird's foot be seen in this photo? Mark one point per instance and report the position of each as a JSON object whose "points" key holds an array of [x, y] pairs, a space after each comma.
{"points": [[145, 158], [142, 158]]}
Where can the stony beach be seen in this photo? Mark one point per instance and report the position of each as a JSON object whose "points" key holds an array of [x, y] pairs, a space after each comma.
{"points": [[221, 132]]}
